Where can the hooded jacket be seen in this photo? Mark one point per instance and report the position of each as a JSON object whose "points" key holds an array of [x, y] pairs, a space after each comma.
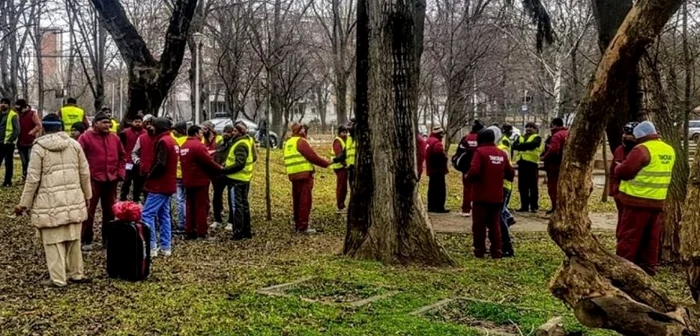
{"points": [[436, 158], [310, 155], [555, 152], [58, 182], [162, 176], [105, 154], [636, 160], [198, 167], [129, 138], [490, 166]]}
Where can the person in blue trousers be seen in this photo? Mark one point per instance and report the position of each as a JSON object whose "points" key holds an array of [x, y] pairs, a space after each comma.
{"points": [[179, 134], [161, 185]]}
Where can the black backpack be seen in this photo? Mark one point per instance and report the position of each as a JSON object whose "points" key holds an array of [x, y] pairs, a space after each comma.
{"points": [[462, 159]]}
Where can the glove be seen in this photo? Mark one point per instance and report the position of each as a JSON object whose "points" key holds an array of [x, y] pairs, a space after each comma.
{"points": [[337, 159]]}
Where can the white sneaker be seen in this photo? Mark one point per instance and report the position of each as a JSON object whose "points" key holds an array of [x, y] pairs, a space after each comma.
{"points": [[341, 211], [86, 248], [154, 253], [229, 227], [309, 231], [214, 225], [465, 214], [167, 253]]}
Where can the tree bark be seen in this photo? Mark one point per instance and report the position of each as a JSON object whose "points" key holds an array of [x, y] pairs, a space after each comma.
{"points": [[659, 110], [605, 290], [386, 219], [609, 15], [149, 79]]}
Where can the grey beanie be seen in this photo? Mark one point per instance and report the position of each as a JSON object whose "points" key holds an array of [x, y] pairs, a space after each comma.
{"points": [[645, 128]]}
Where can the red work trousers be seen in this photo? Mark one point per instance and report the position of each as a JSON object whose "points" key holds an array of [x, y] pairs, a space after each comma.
{"points": [[552, 181], [104, 193], [466, 195], [197, 211], [639, 235], [341, 187], [301, 202], [487, 216], [620, 207]]}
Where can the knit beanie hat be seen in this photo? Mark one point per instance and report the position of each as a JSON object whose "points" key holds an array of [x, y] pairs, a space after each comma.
{"points": [[100, 116], [52, 123], [485, 136], [645, 128], [181, 127], [295, 127], [161, 125], [496, 132]]}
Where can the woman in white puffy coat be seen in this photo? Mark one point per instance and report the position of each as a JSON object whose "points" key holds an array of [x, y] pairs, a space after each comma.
{"points": [[55, 194]]}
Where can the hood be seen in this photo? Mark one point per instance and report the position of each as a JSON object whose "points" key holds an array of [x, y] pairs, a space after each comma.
{"points": [[54, 142], [497, 135]]}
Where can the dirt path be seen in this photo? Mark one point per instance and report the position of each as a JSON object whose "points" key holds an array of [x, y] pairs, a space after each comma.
{"points": [[454, 223]]}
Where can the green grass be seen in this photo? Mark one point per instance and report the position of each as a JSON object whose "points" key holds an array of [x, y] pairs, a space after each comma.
{"points": [[209, 287]]}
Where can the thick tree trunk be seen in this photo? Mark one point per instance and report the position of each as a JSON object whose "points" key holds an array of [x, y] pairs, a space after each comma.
{"points": [[657, 105], [387, 221], [690, 229], [609, 16], [605, 290], [149, 79]]}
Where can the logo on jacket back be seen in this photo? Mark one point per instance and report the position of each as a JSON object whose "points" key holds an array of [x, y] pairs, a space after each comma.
{"points": [[183, 151], [496, 159], [665, 158], [473, 143]]}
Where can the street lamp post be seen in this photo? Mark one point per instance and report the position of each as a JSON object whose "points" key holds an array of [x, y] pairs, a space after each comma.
{"points": [[197, 108]]}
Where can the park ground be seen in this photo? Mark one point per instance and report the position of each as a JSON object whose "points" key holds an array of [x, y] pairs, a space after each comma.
{"points": [[214, 287]]}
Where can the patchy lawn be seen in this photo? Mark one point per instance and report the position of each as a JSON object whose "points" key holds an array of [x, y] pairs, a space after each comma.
{"points": [[210, 287]]}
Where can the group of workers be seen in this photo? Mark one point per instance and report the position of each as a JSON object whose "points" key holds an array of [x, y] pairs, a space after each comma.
{"points": [[640, 175], [156, 161]]}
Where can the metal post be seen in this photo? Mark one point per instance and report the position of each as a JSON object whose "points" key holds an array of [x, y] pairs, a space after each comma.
{"points": [[121, 101], [196, 85], [112, 107]]}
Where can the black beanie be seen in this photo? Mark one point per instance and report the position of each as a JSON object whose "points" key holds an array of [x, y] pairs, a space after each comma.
{"points": [[485, 136], [100, 116], [161, 125], [52, 123], [181, 127]]}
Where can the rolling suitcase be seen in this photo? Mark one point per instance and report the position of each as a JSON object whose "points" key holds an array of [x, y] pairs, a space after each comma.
{"points": [[128, 252]]}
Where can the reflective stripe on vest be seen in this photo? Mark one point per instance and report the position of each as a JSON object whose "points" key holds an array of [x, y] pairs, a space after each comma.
{"points": [[294, 162], [506, 184], [530, 155], [179, 140], [8, 126], [115, 126], [71, 115], [350, 151], [653, 180], [342, 148], [245, 174]]}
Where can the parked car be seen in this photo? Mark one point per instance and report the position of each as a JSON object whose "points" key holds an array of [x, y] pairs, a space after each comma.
{"points": [[694, 130], [221, 120]]}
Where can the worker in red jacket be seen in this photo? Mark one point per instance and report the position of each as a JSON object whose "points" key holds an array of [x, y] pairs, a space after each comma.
{"points": [[420, 154], [107, 159], [645, 175], [489, 167], [133, 176], [299, 162], [340, 169], [142, 155], [198, 168], [160, 185], [436, 169], [468, 146], [552, 158], [620, 154]]}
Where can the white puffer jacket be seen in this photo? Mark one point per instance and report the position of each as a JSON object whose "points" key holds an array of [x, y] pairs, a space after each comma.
{"points": [[58, 182]]}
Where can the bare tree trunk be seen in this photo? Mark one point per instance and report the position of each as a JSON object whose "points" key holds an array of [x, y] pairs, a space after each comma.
{"points": [[606, 168], [39, 65], [149, 79], [664, 121], [605, 290], [386, 219]]}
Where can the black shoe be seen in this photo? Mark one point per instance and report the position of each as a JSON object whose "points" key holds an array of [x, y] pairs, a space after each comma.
{"points": [[507, 254], [534, 211], [550, 212], [522, 210], [178, 232], [511, 221], [248, 235], [191, 236], [238, 237], [7, 185], [442, 211]]}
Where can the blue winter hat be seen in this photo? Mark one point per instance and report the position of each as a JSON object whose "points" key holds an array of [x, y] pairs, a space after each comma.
{"points": [[645, 128]]}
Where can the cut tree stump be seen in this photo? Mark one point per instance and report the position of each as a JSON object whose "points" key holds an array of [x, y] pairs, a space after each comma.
{"points": [[553, 327]]}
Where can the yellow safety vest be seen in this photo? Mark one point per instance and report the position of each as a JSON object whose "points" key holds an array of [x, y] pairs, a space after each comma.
{"points": [[246, 173], [8, 126], [653, 180], [72, 115], [350, 151], [217, 140], [342, 146], [294, 162], [180, 141], [115, 126], [530, 155], [506, 184]]}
